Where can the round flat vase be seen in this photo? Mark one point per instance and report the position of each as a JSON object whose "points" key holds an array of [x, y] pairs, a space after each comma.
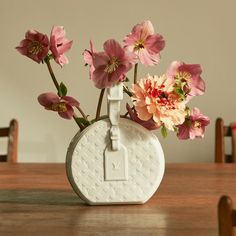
{"points": [[101, 176]]}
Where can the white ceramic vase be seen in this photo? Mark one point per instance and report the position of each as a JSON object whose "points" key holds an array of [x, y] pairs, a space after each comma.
{"points": [[115, 160]]}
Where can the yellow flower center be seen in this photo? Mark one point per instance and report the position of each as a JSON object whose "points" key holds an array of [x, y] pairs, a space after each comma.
{"points": [[138, 45], [183, 76], [35, 47], [60, 107], [197, 124], [112, 65]]}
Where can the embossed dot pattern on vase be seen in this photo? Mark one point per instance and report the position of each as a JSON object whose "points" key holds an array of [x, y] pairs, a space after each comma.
{"points": [[85, 164]]}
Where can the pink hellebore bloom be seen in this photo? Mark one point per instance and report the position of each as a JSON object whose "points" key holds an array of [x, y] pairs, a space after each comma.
{"points": [[194, 126], [188, 76], [145, 43], [111, 65], [35, 45], [88, 58], [149, 124], [63, 105], [59, 45]]}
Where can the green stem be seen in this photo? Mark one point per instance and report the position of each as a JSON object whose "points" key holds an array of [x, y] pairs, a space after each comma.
{"points": [[125, 115], [58, 87], [52, 74], [80, 126], [135, 73], [99, 106], [82, 113], [126, 90]]}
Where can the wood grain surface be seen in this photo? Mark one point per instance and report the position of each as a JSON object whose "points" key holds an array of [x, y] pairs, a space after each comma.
{"points": [[37, 200]]}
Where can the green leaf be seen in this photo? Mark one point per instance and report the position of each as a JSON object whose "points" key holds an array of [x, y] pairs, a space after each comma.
{"points": [[83, 121], [48, 58], [62, 90], [175, 129], [188, 122], [92, 121], [180, 92], [164, 131]]}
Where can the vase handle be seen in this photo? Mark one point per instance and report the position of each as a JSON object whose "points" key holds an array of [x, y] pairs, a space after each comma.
{"points": [[116, 154], [114, 96]]}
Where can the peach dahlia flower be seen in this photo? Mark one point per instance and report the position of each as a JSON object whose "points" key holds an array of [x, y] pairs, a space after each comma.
{"points": [[154, 97]]}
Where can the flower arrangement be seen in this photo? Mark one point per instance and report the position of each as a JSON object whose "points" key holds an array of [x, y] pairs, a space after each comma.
{"points": [[157, 101]]}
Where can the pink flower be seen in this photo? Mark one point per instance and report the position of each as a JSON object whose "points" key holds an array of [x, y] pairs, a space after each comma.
{"points": [[63, 105], [149, 124], [154, 98], [145, 43], [88, 58], [35, 45], [194, 125], [187, 77], [59, 45], [111, 65]]}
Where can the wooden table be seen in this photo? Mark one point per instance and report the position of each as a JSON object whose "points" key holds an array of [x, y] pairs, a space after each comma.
{"points": [[37, 200]]}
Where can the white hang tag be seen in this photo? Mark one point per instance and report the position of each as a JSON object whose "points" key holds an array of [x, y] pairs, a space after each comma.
{"points": [[116, 164]]}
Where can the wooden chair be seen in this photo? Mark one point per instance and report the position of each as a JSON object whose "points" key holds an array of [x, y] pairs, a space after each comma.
{"points": [[11, 133], [222, 131], [226, 216]]}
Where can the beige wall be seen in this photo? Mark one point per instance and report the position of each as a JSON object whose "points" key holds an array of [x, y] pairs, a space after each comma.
{"points": [[201, 31]]}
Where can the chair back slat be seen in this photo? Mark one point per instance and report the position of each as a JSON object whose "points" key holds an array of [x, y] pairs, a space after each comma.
{"points": [[227, 131], [3, 158], [11, 133], [226, 216], [4, 132], [233, 131], [222, 131], [234, 217]]}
